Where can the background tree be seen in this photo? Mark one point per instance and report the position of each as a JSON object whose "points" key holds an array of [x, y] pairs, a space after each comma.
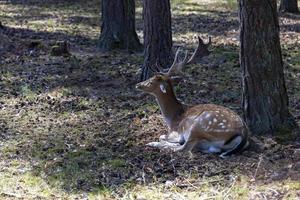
{"points": [[289, 6], [118, 26], [157, 35], [265, 100]]}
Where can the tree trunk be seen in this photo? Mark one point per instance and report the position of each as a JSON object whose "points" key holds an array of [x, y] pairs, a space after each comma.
{"points": [[290, 6], [118, 26], [157, 35], [265, 100]]}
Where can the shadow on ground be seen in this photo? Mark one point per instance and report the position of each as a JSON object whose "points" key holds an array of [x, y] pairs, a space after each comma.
{"points": [[82, 126]]}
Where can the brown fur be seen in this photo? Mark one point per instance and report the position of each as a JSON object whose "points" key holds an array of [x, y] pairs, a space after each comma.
{"points": [[205, 126]]}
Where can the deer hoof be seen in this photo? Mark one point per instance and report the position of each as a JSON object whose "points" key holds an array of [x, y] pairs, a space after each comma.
{"points": [[153, 144], [223, 155], [163, 138]]}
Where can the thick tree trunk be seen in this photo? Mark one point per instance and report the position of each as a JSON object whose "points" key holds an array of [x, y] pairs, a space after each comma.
{"points": [[290, 6], [157, 35], [265, 100], [118, 26]]}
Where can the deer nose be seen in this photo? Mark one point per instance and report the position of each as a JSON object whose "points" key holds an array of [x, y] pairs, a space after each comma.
{"points": [[138, 86]]}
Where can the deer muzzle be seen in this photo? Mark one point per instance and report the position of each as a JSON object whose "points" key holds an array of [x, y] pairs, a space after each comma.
{"points": [[139, 86]]}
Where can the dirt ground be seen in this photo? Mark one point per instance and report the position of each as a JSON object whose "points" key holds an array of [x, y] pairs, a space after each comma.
{"points": [[74, 127]]}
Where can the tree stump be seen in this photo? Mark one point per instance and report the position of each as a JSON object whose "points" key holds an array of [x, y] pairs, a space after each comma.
{"points": [[61, 48]]}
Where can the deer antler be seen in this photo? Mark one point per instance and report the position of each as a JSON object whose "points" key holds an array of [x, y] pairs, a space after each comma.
{"points": [[177, 66], [200, 52], [158, 68]]}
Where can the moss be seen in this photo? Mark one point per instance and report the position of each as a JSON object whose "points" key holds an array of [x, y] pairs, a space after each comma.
{"points": [[101, 192], [117, 163], [9, 149], [241, 192], [28, 93]]}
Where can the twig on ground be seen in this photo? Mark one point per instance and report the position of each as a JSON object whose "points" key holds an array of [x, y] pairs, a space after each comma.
{"points": [[143, 175], [258, 165], [230, 188]]}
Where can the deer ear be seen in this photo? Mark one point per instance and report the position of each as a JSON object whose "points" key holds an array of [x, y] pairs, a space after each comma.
{"points": [[162, 88], [176, 79]]}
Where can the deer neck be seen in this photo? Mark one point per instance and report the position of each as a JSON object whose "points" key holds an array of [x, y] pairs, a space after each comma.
{"points": [[170, 108]]}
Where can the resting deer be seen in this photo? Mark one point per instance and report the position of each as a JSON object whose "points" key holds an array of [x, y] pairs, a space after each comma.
{"points": [[208, 128]]}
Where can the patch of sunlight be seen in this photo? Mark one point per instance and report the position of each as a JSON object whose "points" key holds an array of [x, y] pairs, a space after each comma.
{"points": [[139, 11], [240, 188], [289, 185], [37, 24], [292, 185], [169, 191], [8, 149], [19, 182], [191, 37], [14, 185], [99, 193], [212, 4], [58, 93], [53, 25]]}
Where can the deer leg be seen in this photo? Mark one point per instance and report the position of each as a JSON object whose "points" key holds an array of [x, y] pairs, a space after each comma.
{"points": [[163, 138], [231, 146], [163, 145], [175, 137], [187, 146], [168, 141]]}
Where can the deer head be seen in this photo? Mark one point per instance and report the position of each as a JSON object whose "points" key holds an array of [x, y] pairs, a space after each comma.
{"points": [[161, 81]]}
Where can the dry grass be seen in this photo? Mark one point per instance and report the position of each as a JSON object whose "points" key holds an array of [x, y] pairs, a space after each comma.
{"points": [[74, 127]]}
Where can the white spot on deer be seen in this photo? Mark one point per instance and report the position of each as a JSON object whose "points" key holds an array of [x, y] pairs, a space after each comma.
{"points": [[215, 120], [221, 124], [207, 115], [162, 88], [204, 126], [217, 111], [224, 120], [218, 130], [223, 127], [229, 125], [210, 122]]}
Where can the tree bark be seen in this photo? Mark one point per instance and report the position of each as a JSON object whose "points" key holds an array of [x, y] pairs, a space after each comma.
{"points": [[157, 35], [290, 6], [118, 26], [265, 100]]}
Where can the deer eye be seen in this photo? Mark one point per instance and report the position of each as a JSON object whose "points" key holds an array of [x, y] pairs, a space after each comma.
{"points": [[160, 78]]}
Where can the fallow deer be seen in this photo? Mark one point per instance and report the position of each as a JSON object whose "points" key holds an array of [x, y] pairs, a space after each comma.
{"points": [[208, 128]]}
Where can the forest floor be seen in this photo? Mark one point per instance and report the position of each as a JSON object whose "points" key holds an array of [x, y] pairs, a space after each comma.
{"points": [[74, 127]]}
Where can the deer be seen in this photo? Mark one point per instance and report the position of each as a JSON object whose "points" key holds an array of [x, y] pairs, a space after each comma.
{"points": [[208, 128]]}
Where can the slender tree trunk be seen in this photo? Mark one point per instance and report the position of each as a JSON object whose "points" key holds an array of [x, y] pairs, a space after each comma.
{"points": [[157, 35], [265, 100], [290, 6], [118, 26]]}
